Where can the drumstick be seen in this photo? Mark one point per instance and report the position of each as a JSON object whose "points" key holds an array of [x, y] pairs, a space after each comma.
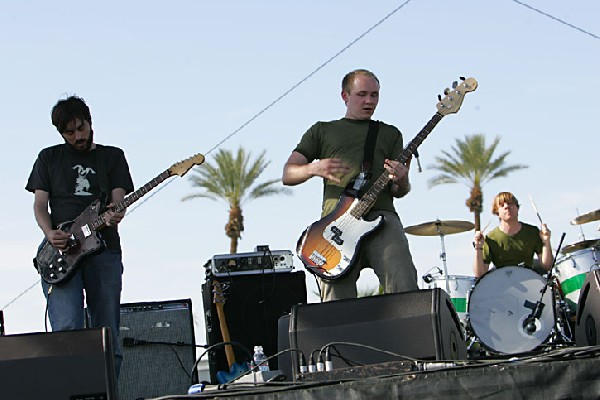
{"points": [[536, 210], [486, 226]]}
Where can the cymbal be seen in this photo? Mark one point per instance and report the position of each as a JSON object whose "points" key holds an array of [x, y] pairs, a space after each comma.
{"points": [[585, 218], [437, 228], [584, 244]]}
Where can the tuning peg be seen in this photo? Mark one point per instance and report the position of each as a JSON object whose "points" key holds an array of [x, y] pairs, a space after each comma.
{"points": [[446, 91], [454, 85], [462, 78], [439, 97]]}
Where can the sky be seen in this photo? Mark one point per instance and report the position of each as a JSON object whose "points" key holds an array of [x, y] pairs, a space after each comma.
{"points": [[166, 80]]}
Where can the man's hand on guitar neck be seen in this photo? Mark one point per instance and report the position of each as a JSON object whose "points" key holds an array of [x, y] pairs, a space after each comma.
{"points": [[112, 218], [398, 174]]}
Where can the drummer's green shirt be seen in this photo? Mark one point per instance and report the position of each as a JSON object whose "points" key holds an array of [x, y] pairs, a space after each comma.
{"points": [[504, 250]]}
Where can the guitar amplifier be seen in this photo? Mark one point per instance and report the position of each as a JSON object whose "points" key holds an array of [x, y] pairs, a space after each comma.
{"points": [[258, 262]]}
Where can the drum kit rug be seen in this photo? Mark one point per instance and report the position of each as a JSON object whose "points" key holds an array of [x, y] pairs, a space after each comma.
{"points": [[513, 309]]}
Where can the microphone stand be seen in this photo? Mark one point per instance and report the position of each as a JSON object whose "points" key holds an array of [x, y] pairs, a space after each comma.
{"points": [[536, 312]]}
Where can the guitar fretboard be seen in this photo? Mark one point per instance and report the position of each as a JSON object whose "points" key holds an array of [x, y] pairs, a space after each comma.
{"points": [[368, 199], [133, 197]]}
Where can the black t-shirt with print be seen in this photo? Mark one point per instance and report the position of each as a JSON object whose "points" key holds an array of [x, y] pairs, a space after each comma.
{"points": [[71, 179]]}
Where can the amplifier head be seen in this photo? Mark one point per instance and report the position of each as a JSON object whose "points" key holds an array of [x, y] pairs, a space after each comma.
{"points": [[250, 263]]}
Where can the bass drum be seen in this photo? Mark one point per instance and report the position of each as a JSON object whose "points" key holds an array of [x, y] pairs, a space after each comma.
{"points": [[499, 306]]}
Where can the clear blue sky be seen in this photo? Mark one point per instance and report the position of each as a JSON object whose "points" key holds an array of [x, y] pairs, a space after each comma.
{"points": [[166, 80]]}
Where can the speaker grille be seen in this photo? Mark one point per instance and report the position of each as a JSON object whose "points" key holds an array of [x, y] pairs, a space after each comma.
{"points": [[158, 349]]}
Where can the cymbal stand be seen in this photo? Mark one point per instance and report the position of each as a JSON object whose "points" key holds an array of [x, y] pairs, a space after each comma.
{"points": [[582, 236], [443, 257]]}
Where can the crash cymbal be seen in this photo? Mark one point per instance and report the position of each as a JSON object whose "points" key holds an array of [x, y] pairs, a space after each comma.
{"points": [[584, 244], [585, 218], [436, 228]]}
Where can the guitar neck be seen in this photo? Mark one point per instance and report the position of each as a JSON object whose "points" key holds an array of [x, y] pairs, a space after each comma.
{"points": [[368, 199], [225, 334], [121, 206]]}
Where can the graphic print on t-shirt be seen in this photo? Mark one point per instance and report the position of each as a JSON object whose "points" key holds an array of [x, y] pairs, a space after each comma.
{"points": [[82, 185]]}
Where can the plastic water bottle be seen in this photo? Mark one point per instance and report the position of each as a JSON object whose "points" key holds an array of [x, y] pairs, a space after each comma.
{"points": [[260, 358]]}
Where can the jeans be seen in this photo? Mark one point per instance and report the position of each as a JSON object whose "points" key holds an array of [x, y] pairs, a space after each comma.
{"points": [[100, 277]]}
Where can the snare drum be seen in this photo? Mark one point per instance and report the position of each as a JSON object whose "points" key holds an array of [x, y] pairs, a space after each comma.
{"points": [[458, 289], [571, 271], [499, 305]]}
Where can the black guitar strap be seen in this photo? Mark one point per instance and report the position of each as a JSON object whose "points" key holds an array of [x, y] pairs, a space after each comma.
{"points": [[367, 163], [102, 175], [370, 145]]}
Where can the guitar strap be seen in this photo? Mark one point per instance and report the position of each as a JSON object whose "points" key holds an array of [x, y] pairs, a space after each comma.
{"points": [[102, 175], [367, 163]]}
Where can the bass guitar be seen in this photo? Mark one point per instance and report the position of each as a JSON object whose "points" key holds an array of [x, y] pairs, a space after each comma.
{"points": [[328, 248], [57, 266], [235, 369]]}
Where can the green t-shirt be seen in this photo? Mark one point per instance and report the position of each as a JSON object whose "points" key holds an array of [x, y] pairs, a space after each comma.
{"points": [[504, 250], [345, 139]]}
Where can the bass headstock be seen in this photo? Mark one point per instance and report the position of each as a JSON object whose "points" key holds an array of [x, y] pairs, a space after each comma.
{"points": [[453, 99]]}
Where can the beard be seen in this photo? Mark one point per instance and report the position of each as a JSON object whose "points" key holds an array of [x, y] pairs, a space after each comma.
{"points": [[86, 142]]}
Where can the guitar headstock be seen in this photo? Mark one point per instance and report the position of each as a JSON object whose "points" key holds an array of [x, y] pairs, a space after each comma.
{"points": [[182, 167], [218, 296], [454, 98]]}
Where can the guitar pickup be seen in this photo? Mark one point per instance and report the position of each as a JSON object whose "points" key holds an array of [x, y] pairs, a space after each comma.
{"points": [[317, 258], [85, 229]]}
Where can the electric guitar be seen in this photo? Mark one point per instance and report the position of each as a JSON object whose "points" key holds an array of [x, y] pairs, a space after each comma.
{"points": [[328, 248], [235, 369], [57, 266]]}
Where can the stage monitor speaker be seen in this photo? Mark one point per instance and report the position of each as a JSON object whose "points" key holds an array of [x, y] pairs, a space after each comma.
{"points": [[587, 322], [420, 324], [73, 365], [252, 306], [158, 349]]}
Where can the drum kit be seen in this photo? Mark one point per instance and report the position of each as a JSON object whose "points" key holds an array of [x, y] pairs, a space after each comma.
{"points": [[512, 309]]}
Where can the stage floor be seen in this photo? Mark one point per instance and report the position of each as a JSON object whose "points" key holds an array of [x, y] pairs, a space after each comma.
{"points": [[565, 373]]}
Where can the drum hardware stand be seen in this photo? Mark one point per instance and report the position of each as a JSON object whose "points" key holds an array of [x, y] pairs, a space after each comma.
{"points": [[428, 277], [563, 332], [443, 257], [536, 311]]}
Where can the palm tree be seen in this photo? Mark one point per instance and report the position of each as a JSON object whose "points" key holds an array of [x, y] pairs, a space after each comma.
{"points": [[233, 179], [473, 164]]}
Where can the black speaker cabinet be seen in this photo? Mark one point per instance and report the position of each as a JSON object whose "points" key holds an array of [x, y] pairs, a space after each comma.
{"points": [[587, 323], [420, 324], [252, 306], [158, 349], [74, 365]]}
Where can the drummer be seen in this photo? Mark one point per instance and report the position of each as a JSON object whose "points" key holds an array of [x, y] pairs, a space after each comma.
{"points": [[513, 242]]}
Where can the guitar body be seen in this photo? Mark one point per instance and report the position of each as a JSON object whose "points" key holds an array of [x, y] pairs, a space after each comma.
{"points": [[56, 266], [329, 247]]}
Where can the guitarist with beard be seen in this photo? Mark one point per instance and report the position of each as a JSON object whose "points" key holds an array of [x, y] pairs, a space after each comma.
{"points": [[65, 179], [335, 151]]}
